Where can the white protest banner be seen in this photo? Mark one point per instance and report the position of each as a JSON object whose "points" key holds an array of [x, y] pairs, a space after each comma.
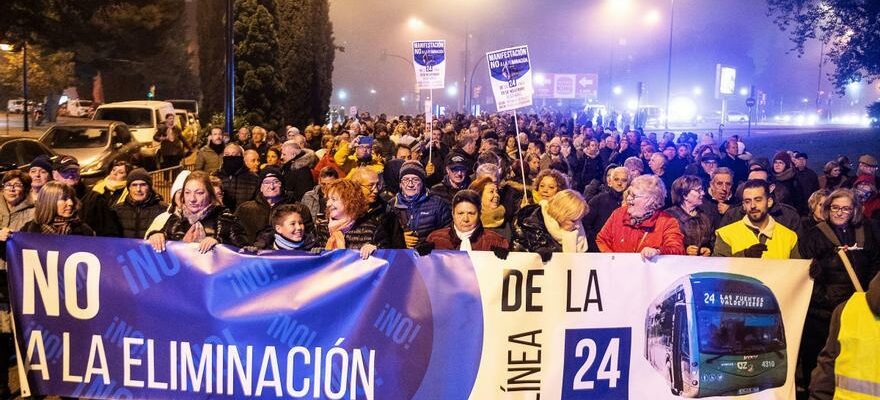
{"points": [[510, 74], [429, 61]]}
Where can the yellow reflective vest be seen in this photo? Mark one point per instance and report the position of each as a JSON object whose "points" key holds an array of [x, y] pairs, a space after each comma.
{"points": [[857, 368]]}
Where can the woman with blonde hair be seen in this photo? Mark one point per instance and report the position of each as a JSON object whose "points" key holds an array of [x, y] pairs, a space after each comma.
{"points": [[56, 212], [202, 219], [640, 226], [551, 226]]}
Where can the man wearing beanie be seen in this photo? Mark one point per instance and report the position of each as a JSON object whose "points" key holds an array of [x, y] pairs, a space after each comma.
{"points": [[357, 154], [418, 213], [138, 209], [785, 175], [254, 214]]}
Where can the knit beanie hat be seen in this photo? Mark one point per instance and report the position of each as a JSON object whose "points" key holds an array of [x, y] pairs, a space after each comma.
{"points": [[139, 174], [784, 157], [271, 172], [413, 167]]}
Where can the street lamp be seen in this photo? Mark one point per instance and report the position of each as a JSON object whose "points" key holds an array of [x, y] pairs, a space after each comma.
{"points": [[669, 60], [24, 80], [415, 23], [697, 90]]}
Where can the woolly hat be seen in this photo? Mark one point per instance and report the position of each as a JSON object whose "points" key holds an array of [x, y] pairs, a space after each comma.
{"points": [[178, 183], [43, 162], [413, 168], [784, 157], [271, 172], [138, 174]]}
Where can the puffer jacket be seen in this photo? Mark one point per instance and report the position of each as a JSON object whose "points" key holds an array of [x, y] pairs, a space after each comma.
{"points": [[423, 214], [219, 223], [254, 215], [135, 219], [530, 233], [363, 231], [481, 239], [832, 285], [660, 231]]}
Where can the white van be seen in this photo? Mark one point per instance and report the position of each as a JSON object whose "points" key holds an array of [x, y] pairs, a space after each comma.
{"points": [[142, 117], [79, 107], [15, 106]]}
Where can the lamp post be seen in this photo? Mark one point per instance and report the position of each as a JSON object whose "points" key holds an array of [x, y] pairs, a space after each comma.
{"points": [[229, 93], [669, 61], [470, 87]]}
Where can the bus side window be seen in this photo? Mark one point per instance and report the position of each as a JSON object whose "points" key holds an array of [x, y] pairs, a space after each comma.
{"points": [[684, 343]]}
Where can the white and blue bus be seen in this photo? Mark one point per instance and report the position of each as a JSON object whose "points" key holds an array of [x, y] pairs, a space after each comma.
{"points": [[717, 334]]}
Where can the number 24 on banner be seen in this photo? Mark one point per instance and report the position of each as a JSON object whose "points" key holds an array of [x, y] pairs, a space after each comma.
{"points": [[596, 363]]}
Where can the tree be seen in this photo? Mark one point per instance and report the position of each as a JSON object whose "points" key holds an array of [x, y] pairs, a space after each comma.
{"points": [[847, 28], [212, 55], [133, 43], [307, 50], [47, 72], [259, 91]]}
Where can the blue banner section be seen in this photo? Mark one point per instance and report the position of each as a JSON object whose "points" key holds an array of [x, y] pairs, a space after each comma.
{"points": [[509, 65], [111, 318]]}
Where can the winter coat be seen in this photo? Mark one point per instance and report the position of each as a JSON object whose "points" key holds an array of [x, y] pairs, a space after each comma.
{"points": [[314, 200], [832, 285], [808, 181], [347, 160], [600, 208], [254, 215], [697, 229], [481, 240], [739, 167], [208, 160], [266, 240], [239, 187], [424, 214], [297, 175], [365, 230], [445, 191], [530, 233], [14, 219], [95, 210], [135, 219], [219, 223], [79, 228], [796, 196], [660, 231], [592, 170], [389, 234]]}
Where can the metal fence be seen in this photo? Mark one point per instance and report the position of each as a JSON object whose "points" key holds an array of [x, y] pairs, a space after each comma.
{"points": [[164, 178]]}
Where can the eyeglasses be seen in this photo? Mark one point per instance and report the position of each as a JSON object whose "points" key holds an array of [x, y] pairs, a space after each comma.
{"points": [[273, 182], [373, 186], [13, 186], [839, 209], [409, 181]]}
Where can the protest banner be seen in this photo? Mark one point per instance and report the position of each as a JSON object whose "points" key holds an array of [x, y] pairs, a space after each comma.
{"points": [[429, 61], [111, 318], [510, 75]]}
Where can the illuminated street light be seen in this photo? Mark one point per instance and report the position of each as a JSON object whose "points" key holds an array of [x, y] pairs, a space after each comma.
{"points": [[372, 91], [743, 91], [619, 7], [415, 23], [403, 99], [617, 90], [540, 79], [342, 95], [697, 90], [452, 91]]}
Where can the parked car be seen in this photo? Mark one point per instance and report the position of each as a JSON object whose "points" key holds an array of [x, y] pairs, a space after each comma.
{"points": [[77, 108], [17, 105], [18, 152], [142, 117], [96, 144], [737, 117]]}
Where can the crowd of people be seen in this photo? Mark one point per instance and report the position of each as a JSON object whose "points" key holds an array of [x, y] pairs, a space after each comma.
{"points": [[544, 183]]}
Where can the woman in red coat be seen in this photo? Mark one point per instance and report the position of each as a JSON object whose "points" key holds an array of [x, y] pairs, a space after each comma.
{"points": [[639, 226], [466, 232]]}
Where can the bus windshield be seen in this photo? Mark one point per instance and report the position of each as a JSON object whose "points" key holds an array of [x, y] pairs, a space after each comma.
{"points": [[739, 333]]}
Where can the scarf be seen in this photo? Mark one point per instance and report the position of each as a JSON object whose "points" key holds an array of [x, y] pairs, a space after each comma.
{"points": [[60, 225], [492, 217], [217, 148], [572, 241], [465, 238], [196, 232], [282, 243], [113, 185], [636, 221], [788, 174], [337, 228]]}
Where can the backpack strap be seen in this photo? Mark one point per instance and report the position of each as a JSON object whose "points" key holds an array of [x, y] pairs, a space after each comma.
{"points": [[829, 234], [860, 238]]}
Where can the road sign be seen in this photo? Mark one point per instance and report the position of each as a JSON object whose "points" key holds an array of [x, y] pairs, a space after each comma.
{"points": [[750, 102]]}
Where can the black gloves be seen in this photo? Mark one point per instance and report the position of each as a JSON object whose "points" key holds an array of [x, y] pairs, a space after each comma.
{"points": [[755, 251], [424, 248], [500, 252], [545, 255]]}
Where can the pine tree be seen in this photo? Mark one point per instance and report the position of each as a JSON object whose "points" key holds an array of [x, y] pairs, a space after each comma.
{"points": [[307, 51], [258, 87]]}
